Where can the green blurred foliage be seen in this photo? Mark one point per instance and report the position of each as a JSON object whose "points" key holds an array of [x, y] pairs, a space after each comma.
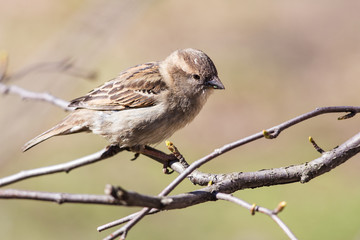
{"points": [[277, 59]]}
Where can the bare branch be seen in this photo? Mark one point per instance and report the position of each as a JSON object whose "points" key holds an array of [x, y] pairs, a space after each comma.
{"points": [[65, 66], [122, 232], [302, 173], [123, 220], [128, 198], [295, 173], [203, 179], [274, 131], [270, 213], [237, 181], [316, 146], [25, 94], [63, 167]]}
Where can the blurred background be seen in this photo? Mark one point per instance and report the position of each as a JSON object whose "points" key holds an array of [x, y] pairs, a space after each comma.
{"points": [[277, 59]]}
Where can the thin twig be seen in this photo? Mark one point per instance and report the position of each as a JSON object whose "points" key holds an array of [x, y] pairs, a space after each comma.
{"points": [[63, 167], [65, 66], [316, 146], [25, 94], [123, 220], [270, 213], [4, 62]]}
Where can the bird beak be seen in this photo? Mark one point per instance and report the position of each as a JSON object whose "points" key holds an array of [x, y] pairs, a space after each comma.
{"points": [[215, 83]]}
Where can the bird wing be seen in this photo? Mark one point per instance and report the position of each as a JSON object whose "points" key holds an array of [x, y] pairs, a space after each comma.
{"points": [[135, 87]]}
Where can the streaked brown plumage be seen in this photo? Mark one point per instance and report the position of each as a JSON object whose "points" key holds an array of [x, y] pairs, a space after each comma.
{"points": [[145, 104], [133, 88]]}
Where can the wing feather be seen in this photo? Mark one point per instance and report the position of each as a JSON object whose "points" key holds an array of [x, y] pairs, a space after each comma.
{"points": [[135, 87]]}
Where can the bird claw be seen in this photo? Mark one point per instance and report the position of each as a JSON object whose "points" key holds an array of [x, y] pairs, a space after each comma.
{"points": [[136, 155], [166, 169]]}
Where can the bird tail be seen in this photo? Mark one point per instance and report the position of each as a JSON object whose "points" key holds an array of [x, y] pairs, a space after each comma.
{"points": [[64, 127]]}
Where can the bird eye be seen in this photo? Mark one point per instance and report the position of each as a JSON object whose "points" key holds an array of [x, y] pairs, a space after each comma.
{"points": [[195, 76]]}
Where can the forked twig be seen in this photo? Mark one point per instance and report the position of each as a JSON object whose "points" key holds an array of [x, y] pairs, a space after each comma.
{"points": [[254, 208]]}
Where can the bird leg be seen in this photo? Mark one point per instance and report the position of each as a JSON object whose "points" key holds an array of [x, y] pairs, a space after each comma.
{"points": [[155, 154], [112, 150]]}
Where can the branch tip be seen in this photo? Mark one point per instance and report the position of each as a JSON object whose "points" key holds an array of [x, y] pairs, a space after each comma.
{"points": [[280, 207], [168, 143], [123, 235], [267, 135], [173, 149], [171, 146], [347, 116], [315, 145]]}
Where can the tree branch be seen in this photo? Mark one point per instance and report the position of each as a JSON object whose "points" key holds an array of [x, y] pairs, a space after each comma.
{"points": [[232, 183], [300, 173], [25, 94], [242, 180], [271, 213], [63, 167], [65, 66], [274, 132], [127, 198], [124, 220]]}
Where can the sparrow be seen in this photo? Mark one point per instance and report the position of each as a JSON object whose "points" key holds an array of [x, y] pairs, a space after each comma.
{"points": [[144, 104]]}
